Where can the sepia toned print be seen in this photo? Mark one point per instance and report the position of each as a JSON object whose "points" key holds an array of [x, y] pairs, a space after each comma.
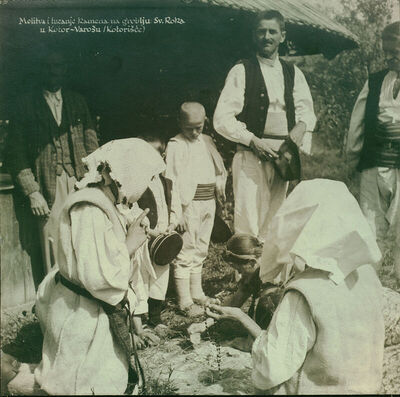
{"points": [[200, 197]]}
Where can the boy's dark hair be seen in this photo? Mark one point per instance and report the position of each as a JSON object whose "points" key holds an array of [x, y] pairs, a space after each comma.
{"points": [[270, 14]]}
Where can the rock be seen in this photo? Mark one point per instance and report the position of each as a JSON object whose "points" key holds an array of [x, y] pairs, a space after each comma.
{"points": [[200, 327], [391, 370], [391, 315], [24, 383], [195, 338]]}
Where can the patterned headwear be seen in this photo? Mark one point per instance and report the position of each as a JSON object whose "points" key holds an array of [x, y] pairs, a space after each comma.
{"points": [[321, 225], [131, 163]]}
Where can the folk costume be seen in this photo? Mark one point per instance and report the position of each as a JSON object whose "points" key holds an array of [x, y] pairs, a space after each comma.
{"points": [[263, 98], [327, 334], [196, 168], [373, 143], [165, 209], [81, 351], [51, 133]]}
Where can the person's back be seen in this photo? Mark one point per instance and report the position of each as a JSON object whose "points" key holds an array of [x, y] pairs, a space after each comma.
{"points": [[347, 355]]}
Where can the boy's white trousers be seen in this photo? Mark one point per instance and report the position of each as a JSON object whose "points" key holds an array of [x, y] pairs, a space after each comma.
{"points": [[199, 222]]}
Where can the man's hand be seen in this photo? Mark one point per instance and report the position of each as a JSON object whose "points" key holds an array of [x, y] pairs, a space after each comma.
{"points": [[262, 150], [297, 133], [224, 312], [38, 204], [136, 233]]}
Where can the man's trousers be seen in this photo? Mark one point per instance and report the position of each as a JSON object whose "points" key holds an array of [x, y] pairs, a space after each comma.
{"points": [[258, 191], [380, 203]]}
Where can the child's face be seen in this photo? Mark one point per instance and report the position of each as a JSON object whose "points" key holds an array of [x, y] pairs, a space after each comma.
{"points": [[244, 269], [192, 127]]}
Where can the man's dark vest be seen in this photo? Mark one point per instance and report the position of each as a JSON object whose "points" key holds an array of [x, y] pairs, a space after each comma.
{"points": [[256, 100], [377, 152], [147, 200]]}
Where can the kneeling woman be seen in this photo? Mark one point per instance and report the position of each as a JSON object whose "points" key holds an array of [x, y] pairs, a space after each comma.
{"points": [[327, 334], [82, 353]]}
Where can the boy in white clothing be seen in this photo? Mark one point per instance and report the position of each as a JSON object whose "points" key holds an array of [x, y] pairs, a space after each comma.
{"points": [[198, 173], [163, 217]]}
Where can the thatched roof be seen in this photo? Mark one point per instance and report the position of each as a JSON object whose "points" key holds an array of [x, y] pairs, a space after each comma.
{"points": [[296, 12], [309, 29]]}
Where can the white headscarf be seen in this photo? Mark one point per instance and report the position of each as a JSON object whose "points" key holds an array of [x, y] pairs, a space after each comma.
{"points": [[132, 163], [320, 224]]}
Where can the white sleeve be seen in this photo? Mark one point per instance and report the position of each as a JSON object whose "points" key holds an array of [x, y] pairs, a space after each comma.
{"points": [[303, 102], [355, 135], [176, 206], [279, 352], [230, 104], [174, 160], [103, 263]]}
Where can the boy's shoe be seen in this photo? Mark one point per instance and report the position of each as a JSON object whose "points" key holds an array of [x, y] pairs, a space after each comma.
{"points": [[155, 307]]}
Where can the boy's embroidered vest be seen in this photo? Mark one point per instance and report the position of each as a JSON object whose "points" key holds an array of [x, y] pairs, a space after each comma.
{"points": [[381, 143], [92, 196], [347, 356], [256, 100], [147, 200]]}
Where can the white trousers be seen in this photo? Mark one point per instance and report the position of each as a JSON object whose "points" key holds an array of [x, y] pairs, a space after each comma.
{"points": [[156, 288], [259, 192], [199, 221], [48, 227], [380, 203]]}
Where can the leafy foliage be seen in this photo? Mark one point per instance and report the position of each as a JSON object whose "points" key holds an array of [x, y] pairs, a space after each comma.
{"points": [[335, 84]]}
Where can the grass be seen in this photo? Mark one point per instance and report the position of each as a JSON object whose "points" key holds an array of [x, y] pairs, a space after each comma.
{"points": [[22, 336]]}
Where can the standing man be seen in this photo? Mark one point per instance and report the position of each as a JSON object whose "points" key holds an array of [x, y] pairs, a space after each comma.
{"points": [[373, 144], [51, 132], [264, 100]]}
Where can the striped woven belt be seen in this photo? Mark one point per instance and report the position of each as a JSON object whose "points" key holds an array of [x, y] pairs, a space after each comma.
{"points": [[388, 134], [205, 192]]}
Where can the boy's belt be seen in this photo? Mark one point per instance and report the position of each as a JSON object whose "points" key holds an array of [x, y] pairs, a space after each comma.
{"points": [[205, 192]]}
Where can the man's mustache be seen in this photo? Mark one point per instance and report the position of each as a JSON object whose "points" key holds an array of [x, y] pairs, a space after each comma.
{"points": [[265, 42]]}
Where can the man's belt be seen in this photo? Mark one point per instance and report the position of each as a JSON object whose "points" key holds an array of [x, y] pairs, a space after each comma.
{"points": [[240, 147]]}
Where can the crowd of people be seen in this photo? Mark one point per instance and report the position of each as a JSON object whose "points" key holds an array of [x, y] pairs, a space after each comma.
{"points": [[113, 218]]}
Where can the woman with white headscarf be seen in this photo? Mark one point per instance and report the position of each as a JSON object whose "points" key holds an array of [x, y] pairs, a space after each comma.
{"points": [[327, 334], [96, 259]]}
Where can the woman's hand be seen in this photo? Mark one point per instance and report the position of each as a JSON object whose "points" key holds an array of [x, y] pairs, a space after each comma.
{"points": [[234, 313], [224, 312], [146, 338], [137, 234]]}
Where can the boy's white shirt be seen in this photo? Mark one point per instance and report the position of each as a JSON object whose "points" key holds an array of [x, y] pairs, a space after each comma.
{"points": [[181, 170]]}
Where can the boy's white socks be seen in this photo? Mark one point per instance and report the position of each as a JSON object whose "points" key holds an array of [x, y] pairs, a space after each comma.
{"points": [[196, 289], [183, 291]]}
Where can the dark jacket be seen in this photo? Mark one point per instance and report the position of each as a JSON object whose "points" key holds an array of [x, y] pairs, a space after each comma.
{"points": [[31, 155], [377, 152], [256, 101]]}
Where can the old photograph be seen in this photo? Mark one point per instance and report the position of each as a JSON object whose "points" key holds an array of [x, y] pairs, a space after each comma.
{"points": [[199, 197]]}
